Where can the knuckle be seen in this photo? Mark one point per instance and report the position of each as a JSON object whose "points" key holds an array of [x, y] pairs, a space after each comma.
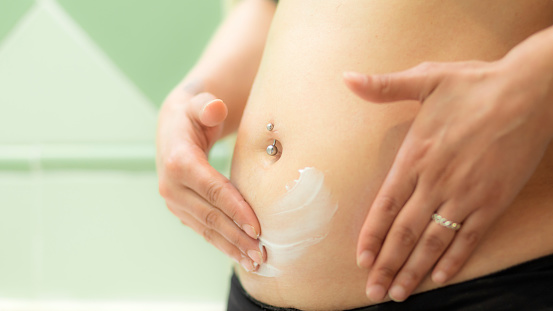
{"points": [[452, 264], [211, 218], [469, 237], [213, 191], [420, 151], [175, 164], [405, 236], [233, 210], [410, 277], [434, 244], [386, 272], [208, 234], [385, 84], [388, 205], [373, 241], [235, 240]]}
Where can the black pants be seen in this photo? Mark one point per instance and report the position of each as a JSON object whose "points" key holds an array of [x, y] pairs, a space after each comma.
{"points": [[525, 287]]}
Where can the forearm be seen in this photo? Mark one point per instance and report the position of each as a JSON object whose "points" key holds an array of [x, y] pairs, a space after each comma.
{"points": [[229, 63]]}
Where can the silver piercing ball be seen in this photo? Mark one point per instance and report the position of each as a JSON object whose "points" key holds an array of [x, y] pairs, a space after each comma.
{"points": [[270, 127], [272, 149]]}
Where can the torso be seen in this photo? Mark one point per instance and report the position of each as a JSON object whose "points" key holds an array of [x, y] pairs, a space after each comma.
{"points": [[319, 123]]}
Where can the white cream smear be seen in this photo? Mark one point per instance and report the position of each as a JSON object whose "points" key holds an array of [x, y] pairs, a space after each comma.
{"points": [[298, 220]]}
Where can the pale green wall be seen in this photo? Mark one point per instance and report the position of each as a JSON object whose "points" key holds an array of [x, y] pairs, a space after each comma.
{"points": [[80, 215]]}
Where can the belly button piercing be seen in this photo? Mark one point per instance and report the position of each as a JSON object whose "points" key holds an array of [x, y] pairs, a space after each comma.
{"points": [[272, 149]]}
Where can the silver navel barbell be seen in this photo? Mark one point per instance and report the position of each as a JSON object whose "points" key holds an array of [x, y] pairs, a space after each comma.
{"points": [[271, 149]]}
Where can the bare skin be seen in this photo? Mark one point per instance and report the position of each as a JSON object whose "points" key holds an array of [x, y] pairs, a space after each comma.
{"points": [[471, 159], [191, 121], [355, 143], [513, 131], [319, 122]]}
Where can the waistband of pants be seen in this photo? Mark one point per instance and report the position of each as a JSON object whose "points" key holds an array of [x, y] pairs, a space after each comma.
{"points": [[527, 286]]}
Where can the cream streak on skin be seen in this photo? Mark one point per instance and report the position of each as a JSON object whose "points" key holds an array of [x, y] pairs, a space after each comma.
{"points": [[298, 220]]}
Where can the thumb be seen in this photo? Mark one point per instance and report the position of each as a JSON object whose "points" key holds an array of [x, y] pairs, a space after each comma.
{"points": [[208, 110], [416, 83]]}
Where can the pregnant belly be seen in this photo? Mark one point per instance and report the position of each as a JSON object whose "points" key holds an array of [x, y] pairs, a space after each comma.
{"points": [[311, 198], [334, 149]]}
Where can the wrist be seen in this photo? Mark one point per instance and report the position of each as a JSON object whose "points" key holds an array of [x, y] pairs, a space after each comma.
{"points": [[531, 67], [535, 51]]}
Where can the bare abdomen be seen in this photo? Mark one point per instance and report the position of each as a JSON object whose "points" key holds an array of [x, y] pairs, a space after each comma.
{"points": [[320, 124]]}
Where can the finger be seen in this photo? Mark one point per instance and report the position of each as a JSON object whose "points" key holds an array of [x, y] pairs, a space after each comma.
{"points": [[416, 83], [394, 192], [187, 202], [466, 239], [400, 241], [218, 191], [208, 110], [213, 113], [214, 238], [432, 244]]}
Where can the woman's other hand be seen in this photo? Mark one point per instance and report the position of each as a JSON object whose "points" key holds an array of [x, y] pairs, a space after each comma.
{"points": [[478, 137], [189, 124]]}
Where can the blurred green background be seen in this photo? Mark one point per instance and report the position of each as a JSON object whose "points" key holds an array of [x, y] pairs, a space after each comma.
{"points": [[81, 218]]}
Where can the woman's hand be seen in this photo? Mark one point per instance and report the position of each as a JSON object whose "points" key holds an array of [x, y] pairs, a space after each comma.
{"points": [[478, 137], [189, 124]]}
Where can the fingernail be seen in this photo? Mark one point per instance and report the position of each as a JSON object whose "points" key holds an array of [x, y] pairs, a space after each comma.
{"points": [[376, 293], [439, 277], [250, 231], [398, 293], [256, 256], [365, 260], [246, 264], [355, 76]]}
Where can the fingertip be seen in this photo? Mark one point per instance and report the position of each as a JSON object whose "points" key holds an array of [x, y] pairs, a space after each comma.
{"points": [[213, 113], [355, 78], [250, 219], [368, 87], [237, 209], [256, 256], [247, 264], [442, 272], [250, 230], [263, 252], [376, 293], [439, 277], [398, 293]]}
